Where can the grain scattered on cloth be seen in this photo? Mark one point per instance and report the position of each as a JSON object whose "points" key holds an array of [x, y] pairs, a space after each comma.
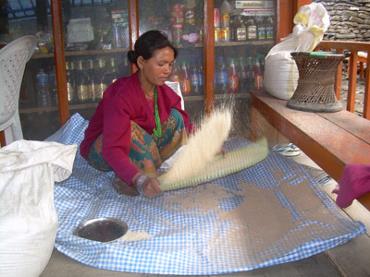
{"points": [[268, 214]]}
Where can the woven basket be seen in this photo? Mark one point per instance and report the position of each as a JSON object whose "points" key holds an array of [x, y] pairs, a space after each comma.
{"points": [[315, 91]]}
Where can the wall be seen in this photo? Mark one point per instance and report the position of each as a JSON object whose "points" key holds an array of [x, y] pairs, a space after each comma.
{"points": [[350, 19]]}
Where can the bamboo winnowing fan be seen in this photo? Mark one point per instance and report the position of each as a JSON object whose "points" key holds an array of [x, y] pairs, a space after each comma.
{"points": [[200, 162]]}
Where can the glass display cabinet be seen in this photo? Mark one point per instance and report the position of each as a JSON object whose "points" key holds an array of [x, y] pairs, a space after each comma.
{"points": [[244, 32], [83, 45], [183, 22]]}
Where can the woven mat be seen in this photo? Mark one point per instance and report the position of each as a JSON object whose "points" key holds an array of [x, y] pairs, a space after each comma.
{"points": [[269, 214]]}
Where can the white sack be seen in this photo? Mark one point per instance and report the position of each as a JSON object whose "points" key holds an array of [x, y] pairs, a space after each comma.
{"points": [[28, 219], [281, 73]]}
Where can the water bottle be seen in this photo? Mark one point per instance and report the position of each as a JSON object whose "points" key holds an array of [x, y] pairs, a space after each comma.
{"points": [[43, 93]]}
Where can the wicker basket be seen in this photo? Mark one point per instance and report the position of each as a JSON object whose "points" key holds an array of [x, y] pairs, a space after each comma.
{"points": [[315, 91]]}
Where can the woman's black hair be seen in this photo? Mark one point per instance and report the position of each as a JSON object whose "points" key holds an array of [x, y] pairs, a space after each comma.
{"points": [[147, 43]]}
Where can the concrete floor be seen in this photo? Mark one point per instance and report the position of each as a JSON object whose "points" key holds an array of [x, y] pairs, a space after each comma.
{"points": [[351, 259]]}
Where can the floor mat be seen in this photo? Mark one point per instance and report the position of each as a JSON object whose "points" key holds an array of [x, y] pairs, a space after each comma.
{"points": [[265, 215]]}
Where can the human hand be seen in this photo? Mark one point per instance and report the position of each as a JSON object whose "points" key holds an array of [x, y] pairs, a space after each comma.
{"points": [[151, 187], [147, 186]]}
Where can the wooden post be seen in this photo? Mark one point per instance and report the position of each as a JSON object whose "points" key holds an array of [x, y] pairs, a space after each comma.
{"points": [[338, 77], [133, 26], [2, 139], [352, 82], [367, 89], [284, 18], [60, 66], [209, 55]]}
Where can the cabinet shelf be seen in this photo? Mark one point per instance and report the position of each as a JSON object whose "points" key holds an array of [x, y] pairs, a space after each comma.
{"points": [[98, 52], [244, 43], [83, 106], [191, 98], [82, 53], [55, 108], [38, 109], [239, 95]]}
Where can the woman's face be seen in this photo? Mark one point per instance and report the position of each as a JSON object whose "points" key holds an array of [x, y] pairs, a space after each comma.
{"points": [[158, 68]]}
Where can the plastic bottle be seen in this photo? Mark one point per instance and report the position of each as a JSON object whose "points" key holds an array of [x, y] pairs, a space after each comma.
{"points": [[186, 83], [70, 83], [52, 86], [233, 82], [93, 85], [221, 78], [43, 93], [258, 81], [250, 73], [225, 20], [83, 87], [200, 78], [243, 74], [175, 75], [99, 79], [195, 79]]}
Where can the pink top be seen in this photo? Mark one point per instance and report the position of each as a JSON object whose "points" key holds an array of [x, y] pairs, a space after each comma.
{"points": [[354, 183], [124, 101]]}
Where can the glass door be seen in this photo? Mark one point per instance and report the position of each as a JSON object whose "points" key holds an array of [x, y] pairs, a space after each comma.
{"points": [[96, 44], [244, 32], [182, 21]]}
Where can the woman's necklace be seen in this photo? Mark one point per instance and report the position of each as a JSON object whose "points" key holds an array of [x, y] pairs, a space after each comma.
{"points": [[157, 131]]}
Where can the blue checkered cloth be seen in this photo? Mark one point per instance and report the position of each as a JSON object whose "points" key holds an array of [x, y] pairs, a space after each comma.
{"points": [[190, 241]]}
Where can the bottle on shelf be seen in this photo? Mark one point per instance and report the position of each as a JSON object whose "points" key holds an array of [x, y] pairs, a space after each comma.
{"points": [[52, 85], [251, 29], [240, 29], [233, 20], [194, 76], [261, 28], [233, 78], [177, 20], [175, 75], [111, 71], [99, 79], [225, 20], [93, 85], [243, 74], [221, 75], [42, 85], [186, 82], [200, 78], [217, 24], [83, 84], [189, 12], [250, 73], [71, 92], [258, 77], [269, 25]]}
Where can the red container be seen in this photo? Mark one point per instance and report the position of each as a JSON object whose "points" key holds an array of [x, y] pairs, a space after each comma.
{"points": [[217, 17]]}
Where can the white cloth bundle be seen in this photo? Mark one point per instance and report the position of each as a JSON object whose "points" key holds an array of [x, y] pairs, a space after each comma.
{"points": [[28, 219], [281, 72]]}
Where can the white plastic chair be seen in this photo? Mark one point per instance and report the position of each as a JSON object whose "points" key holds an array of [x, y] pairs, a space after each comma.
{"points": [[175, 86], [13, 59]]}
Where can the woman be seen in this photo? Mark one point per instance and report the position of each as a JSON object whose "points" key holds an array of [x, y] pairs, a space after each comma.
{"points": [[139, 122]]}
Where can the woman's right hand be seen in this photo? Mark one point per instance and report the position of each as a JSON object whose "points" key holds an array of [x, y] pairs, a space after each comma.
{"points": [[148, 186], [151, 187]]}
